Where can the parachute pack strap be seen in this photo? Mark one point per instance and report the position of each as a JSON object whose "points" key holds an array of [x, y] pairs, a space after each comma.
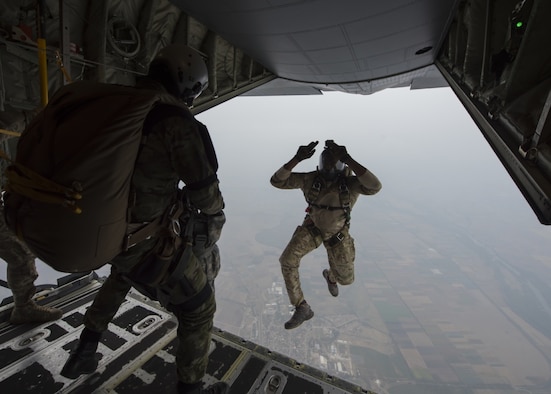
{"points": [[335, 239], [314, 191], [148, 230], [10, 133], [26, 182], [188, 231], [177, 274], [170, 231], [344, 196], [59, 62], [190, 215]]}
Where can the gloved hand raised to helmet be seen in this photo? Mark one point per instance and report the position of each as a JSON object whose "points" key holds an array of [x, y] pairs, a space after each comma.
{"points": [[337, 151], [306, 151]]}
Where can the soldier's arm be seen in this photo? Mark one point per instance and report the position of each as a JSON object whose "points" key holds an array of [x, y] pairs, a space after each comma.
{"points": [[192, 161], [367, 179], [284, 178], [370, 184]]}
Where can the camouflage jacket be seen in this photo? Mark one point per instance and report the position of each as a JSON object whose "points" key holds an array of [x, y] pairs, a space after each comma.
{"points": [[173, 150], [328, 221]]}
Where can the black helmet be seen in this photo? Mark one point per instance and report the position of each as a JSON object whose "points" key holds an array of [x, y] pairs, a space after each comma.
{"points": [[328, 167], [182, 71]]}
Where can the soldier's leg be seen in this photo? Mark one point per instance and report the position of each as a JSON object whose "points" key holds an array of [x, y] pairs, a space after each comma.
{"points": [[115, 288], [21, 271], [194, 328], [21, 274], [302, 242], [107, 302], [341, 260], [96, 320], [191, 299], [209, 259]]}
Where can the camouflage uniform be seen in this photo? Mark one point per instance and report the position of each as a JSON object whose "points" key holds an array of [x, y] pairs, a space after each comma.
{"points": [[173, 151], [320, 226], [21, 268], [21, 271]]}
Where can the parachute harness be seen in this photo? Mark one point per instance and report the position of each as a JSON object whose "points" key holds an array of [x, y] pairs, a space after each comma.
{"points": [[344, 197]]}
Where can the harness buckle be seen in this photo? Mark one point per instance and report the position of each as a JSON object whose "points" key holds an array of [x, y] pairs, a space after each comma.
{"points": [[174, 218], [335, 239], [343, 187], [176, 229]]}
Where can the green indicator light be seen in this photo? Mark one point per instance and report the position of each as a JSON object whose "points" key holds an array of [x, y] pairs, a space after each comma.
{"points": [[519, 24]]}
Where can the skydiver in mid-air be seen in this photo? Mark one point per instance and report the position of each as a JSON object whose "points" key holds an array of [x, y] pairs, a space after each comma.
{"points": [[330, 192]]}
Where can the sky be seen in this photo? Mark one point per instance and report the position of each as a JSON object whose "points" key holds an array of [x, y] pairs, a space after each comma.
{"points": [[422, 145]]}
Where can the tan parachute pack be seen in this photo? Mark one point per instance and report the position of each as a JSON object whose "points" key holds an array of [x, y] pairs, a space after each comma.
{"points": [[67, 191]]}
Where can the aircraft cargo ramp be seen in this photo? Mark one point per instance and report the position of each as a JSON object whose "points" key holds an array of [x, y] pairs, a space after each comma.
{"points": [[137, 353]]}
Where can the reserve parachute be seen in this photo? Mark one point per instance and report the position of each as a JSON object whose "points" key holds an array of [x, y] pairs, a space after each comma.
{"points": [[67, 191]]}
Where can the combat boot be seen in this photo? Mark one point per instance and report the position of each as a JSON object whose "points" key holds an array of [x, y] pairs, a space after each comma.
{"points": [[216, 388], [31, 312], [302, 313], [331, 286], [82, 359]]}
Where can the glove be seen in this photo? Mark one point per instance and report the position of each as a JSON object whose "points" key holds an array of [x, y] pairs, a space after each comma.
{"points": [[306, 151], [337, 151]]}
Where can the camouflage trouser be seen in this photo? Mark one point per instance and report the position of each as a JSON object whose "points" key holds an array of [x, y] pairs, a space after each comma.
{"points": [[210, 261], [21, 271], [340, 255], [195, 321]]}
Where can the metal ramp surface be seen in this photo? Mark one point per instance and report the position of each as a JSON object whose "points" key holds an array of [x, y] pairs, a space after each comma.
{"points": [[137, 354]]}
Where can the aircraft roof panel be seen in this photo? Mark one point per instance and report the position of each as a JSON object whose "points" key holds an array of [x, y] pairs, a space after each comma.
{"points": [[318, 42]]}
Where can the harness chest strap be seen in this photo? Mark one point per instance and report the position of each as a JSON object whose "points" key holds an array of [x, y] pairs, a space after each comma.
{"points": [[344, 197]]}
